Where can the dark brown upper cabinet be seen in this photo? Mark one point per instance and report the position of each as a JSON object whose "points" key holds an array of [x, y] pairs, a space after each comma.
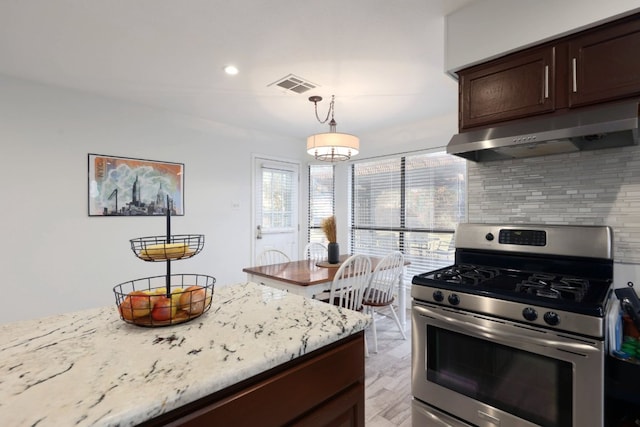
{"points": [[605, 64], [515, 86], [594, 66]]}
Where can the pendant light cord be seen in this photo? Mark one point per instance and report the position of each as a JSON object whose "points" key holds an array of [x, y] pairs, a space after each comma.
{"points": [[329, 113]]}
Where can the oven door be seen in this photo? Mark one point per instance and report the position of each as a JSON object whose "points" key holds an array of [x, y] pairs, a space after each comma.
{"points": [[491, 372]]}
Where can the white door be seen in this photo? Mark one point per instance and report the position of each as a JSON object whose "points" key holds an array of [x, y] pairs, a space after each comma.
{"points": [[275, 206]]}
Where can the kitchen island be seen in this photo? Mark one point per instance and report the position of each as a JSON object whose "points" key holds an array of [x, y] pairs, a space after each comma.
{"points": [[247, 358]]}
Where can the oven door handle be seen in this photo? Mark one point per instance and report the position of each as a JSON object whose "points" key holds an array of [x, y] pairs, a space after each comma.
{"points": [[513, 339]]}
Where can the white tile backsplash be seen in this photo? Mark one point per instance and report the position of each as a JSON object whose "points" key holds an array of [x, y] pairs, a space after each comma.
{"points": [[599, 187]]}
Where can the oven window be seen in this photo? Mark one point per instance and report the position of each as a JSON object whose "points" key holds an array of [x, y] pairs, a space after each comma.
{"points": [[527, 385]]}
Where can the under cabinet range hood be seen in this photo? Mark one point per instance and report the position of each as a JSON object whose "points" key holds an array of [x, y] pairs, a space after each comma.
{"points": [[589, 128]]}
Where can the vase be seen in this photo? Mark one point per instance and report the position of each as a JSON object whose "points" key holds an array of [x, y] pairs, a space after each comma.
{"points": [[333, 253]]}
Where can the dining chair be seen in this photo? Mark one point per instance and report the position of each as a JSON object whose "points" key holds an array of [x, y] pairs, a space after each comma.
{"points": [[315, 251], [350, 282], [381, 289], [272, 256]]}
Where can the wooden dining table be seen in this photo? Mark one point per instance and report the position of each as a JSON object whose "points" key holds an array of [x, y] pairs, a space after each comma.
{"points": [[309, 278]]}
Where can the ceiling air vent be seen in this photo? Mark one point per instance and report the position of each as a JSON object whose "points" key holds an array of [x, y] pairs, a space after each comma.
{"points": [[294, 84]]}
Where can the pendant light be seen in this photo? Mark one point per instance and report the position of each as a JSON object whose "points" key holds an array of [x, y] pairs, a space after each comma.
{"points": [[331, 146]]}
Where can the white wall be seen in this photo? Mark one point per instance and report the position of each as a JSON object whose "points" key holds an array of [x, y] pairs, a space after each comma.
{"points": [[490, 28], [54, 257], [429, 133]]}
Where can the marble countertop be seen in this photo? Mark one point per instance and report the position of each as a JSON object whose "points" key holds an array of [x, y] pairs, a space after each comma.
{"points": [[90, 368]]}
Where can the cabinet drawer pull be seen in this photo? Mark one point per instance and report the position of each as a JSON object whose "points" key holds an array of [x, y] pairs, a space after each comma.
{"points": [[546, 81], [575, 77]]}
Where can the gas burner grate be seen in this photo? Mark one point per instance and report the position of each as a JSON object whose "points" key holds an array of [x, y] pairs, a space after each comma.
{"points": [[466, 274], [555, 287]]}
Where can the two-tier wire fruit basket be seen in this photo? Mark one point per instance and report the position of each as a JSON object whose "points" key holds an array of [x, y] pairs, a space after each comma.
{"points": [[171, 298]]}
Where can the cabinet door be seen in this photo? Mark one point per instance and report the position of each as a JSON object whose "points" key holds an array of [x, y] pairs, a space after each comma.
{"points": [[343, 410], [515, 86], [605, 64], [323, 388]]}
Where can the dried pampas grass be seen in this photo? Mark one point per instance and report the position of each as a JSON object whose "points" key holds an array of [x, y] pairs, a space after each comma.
{"points": [[329, 228]]}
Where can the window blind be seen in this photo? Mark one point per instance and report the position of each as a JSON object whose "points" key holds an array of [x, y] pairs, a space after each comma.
{"points": [[277, 197], [321, 200], [410, 203]]}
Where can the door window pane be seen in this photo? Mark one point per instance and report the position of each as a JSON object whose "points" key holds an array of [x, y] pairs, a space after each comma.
{"points": [[277, 199]]}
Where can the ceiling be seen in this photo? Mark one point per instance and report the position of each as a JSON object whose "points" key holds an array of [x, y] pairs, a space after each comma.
{"points": [[382, 59]]}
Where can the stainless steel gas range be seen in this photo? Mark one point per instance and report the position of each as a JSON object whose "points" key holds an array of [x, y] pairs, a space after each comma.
{"points": [[513, 333]]}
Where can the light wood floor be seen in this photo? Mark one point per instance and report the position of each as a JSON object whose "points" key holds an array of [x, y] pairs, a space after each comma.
{"points": [[388, 376]]}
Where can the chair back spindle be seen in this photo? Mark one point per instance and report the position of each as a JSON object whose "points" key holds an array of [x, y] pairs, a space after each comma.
{"points": [[381, 290], [272, 256], [350, 282], [315, 251]]}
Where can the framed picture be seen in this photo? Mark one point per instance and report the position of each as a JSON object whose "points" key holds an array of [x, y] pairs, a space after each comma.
{"points": [[121, 186]]}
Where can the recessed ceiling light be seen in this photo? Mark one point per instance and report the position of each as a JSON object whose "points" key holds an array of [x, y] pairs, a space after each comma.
{"points": [[232, 70]]}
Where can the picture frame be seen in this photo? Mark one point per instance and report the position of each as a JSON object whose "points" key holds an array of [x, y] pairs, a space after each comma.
{"points": [[124, 186]]}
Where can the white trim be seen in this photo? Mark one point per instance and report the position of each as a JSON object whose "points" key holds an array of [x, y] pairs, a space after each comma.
{"points": [[280, 166], [440, 149]]}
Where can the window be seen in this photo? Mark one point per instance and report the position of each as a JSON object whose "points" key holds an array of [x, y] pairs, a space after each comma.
{"points": [[278, 198], [321, 199], [411, 203]]}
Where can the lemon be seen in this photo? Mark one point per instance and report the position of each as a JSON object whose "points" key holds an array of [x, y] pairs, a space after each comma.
{"points": [[175, 297]]}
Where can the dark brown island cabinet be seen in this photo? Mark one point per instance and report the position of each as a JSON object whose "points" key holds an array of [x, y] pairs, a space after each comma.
{"points": [[598, 65], [323, 388]]}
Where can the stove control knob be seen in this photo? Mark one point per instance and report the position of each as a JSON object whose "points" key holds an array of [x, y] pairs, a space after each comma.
{"points": [[530, 314], [489, 236], [551, 318], [454, 299], [438, 296]]}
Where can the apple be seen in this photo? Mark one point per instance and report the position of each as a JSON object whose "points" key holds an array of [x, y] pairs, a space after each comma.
{"points": [[154, 294], [163, 309], [136, 304], [181, 316], [193, 299]]}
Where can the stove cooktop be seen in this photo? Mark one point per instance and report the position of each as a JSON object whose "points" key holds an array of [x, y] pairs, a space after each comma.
{"points": [[552, 276], [557, 291]]}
